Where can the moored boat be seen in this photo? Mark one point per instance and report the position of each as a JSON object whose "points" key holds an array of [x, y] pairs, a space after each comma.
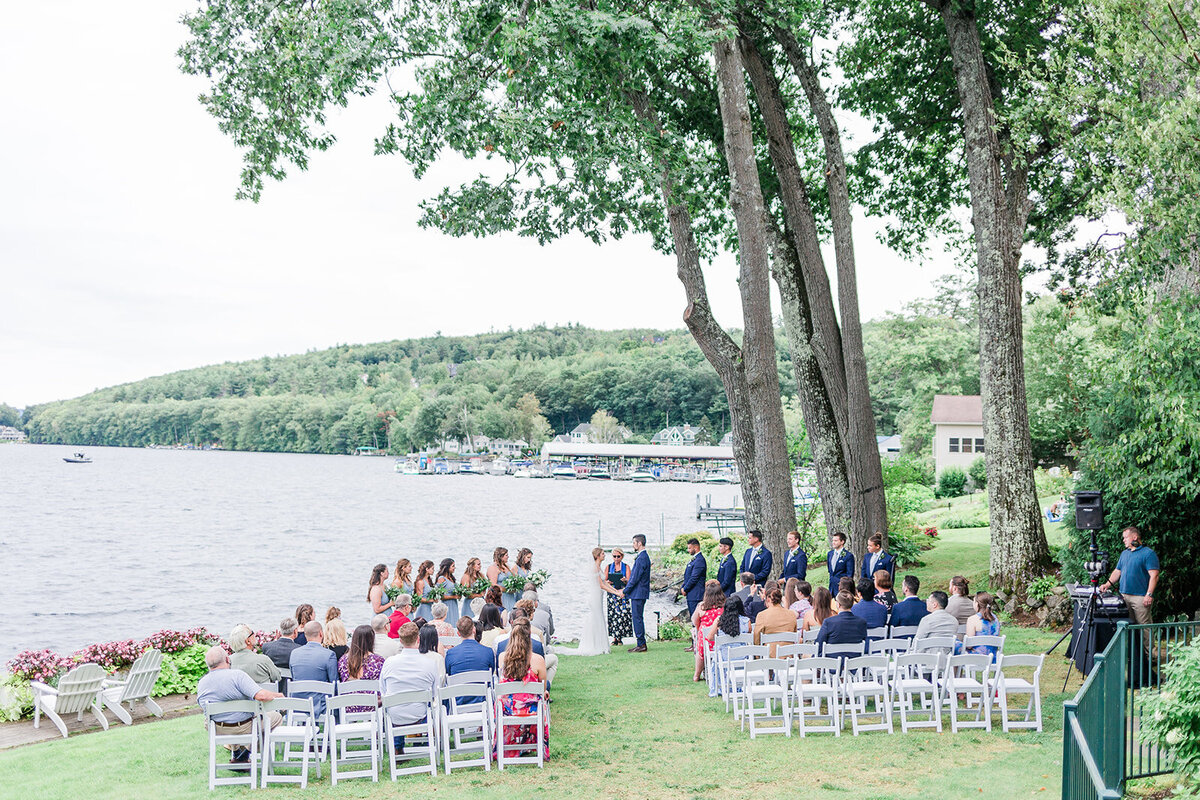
{"points": [[78, 458]]}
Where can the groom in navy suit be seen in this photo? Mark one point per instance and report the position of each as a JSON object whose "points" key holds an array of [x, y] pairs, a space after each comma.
{"points": [[757, 559], [727, 571], [637, 590]]}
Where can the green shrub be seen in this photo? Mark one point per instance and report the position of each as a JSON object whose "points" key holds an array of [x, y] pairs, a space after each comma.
{"points": [[907, 469], [16, 698], [1041, 588], [672, 631], [1171, 719], [970, 517], [181, 671], [978, 473], [951, 483], [906, 544], [1048, 484], [679, 545]]}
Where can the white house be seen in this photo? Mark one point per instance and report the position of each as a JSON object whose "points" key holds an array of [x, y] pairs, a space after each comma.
{"points": [[726, 440], [580, 433], [503, 447], [889, 446], [8, 434], [957, 430], [676, 435]]}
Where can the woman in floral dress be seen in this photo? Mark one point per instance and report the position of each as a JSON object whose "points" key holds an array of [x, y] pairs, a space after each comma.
{"points": [[518, 663], [620, 621], [361, 662]]}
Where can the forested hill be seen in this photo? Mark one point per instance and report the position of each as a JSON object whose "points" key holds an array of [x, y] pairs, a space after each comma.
{"points": [[518, 384]]}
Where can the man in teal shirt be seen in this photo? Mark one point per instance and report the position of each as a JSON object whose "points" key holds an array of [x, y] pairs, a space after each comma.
{"points": [[1137, 571]]}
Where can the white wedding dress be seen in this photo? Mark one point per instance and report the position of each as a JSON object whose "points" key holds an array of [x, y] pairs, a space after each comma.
{"points": [[594, 640]]}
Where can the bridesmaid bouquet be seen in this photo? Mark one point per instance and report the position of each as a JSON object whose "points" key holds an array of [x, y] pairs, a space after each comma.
{"points": [[478, 587], [433, 594], [393, 592], [514, 584], [538, 578]]}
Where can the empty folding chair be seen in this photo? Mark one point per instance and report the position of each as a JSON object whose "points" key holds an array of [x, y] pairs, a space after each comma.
{"points": [[902, 631], [464, 717], [916, 690], [135, 688], [298, 728], [348, 722], [229, 734], [318, 692], [794, 654], [1007, 682], [967, 675], [414, 703], [866, 679], [735, 672], [810, 636], [767, 684], [506, 720], [817, 694], [77, 691]]}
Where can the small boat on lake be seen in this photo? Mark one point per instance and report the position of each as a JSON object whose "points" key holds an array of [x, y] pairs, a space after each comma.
{"points": [[641, 476], [409, 467], [78, 458], [564, 472], [599, 474]]}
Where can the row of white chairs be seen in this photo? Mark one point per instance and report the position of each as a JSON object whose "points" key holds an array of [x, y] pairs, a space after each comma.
{"points": [[356, 741]]}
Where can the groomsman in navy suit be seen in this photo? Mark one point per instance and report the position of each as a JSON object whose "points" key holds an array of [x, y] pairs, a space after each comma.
{"points": [[795, 560], [876, 559], [727, 571], [638, 591], [757, 559], [694, 575], [839, 561]]}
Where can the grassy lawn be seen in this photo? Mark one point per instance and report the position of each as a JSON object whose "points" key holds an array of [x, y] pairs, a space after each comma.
{"points": [[628, 726]]}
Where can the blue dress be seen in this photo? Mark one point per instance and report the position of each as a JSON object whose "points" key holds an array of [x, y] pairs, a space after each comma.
{"points": [[510, 600], [987, 628], [424, 610], [451, 605]]}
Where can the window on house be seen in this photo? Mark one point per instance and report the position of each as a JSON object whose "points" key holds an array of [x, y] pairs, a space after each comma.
{"points": [[953, 444], [979, 445], [966, 445]]}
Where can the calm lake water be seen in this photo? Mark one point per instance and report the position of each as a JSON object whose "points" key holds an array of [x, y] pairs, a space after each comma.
{"points": [[141, 540]]}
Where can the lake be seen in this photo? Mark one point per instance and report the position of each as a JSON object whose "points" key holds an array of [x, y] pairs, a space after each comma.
{"points": [[141, 539]]}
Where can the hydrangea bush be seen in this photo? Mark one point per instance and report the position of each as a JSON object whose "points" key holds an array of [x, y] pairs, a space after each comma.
{"points": [[16, 698], [1172, 719]]}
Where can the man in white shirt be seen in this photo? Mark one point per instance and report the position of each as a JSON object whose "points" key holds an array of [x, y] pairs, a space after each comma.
{"points": [[408, 671], [383, 645]]}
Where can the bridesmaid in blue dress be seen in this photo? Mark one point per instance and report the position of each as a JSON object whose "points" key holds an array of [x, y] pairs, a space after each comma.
{"points": [[446, 580], [422, 582], [497, 571], [523, 567], [471, 574], [402, 579]]}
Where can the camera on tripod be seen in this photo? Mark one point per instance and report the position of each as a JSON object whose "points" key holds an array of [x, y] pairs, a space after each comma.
{"points": [[1098, 566]]}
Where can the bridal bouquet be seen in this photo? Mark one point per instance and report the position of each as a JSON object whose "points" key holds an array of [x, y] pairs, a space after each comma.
{"points": [[514, 584], [478, 587], [538, 578]]}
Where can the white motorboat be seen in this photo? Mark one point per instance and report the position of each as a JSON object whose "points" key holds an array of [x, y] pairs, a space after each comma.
{"points": [[498, 467], [641, 476], [522, 473], [719, 476], [78, 458], [599, 474], [563, 472], [408, 467]]}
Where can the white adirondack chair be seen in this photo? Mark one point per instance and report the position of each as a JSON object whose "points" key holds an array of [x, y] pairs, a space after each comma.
{"points": [[78, 691], [135, 688]]}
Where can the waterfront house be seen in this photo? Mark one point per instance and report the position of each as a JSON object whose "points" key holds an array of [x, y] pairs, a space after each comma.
{"points": [[676, 435], [508, 449], [8, 434], [957, 430], [581, 432]]}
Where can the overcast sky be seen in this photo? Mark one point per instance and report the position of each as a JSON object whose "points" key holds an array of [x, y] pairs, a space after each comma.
{"points": [[124, 254]]}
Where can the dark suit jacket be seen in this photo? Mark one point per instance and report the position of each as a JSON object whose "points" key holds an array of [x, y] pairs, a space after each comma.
{"points": [[753, 606], [727, 574], [870, 612], [638, 587], [312, 662], [467, 656], [694, 576], [843, 628], [279, 651], [885, 562], [909, 611], [760, 565], [844, 568], [795, 567]]}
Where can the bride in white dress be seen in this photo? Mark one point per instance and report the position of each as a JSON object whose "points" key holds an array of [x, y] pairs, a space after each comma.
{"points": [[594, 640]]}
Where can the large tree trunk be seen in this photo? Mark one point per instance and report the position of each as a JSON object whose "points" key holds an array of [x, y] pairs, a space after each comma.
{"points": [[998, 215], [758, 342]]}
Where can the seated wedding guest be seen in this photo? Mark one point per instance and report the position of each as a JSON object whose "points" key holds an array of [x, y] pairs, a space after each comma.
{"points": [[911, 610], [542, 606], [756, 604], [304, 614], [960, 605], [244, 644], [984, 623], [335, 637], [822, 609], [440, 611], [313, 662], [938, 622], [704, 620], [495, 596], [361, 662], [846, 585], [522, 665], [745, 587], [539, 647], [384, 645], [843, 627], [872, 613], [428, 646], [333, 613], [527, 610], [281, 649], [540, 618], [775, 618], [221, 684], [797, 596], [490, 622], [470, 656], [400, 616], [883, 589], [408, 671]]}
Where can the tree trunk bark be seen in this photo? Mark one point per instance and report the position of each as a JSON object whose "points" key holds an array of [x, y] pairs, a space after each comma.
{"points": [[758, 342], [998, 215]]}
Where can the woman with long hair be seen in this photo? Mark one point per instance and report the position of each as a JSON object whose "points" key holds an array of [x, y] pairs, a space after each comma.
{"points": [[984, 622], [376, 594], [304, 615], [470, 576], [428, 645], [495, 596], [402, 577], [594, 639], [445, 579], [822, 609], [335, 637], [524, 563], [491, 624], [620, 617], [421, 584], [361, 662], [332, 613], [704, 620], [497, 571], [520, 664]]}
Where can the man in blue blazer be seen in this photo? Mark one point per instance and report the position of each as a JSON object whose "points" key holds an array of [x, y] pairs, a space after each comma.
{"points": [[795, 560], [843, 627], [727, 571], [912, 609], [637, 590], [469, 655], [839, 561], [313, 662], [757, 559], [875, 559], [866, 609], [694, 575]]}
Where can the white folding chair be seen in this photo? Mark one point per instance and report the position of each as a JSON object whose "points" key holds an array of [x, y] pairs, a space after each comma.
{"points": [[503, 690], [735, 672], [779, 638], [916, 689], [460, 720], [818, 686], [943, 646], [218, 740], [767, 682], [889, 647], [877, 633], [864, 679], [424, 728], [344, 728], [967, 675], [983, 640], [849, 650], [810, 636], [449, 641], [298, 728], [902, 631], [483, 678], [78, 691], [723, 644], [135, 688], [962, 631], [1006, 683], [310, 689]]}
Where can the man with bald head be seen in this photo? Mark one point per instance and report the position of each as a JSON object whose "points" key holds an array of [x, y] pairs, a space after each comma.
{"points": [[313, 662], [221, 684]]}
